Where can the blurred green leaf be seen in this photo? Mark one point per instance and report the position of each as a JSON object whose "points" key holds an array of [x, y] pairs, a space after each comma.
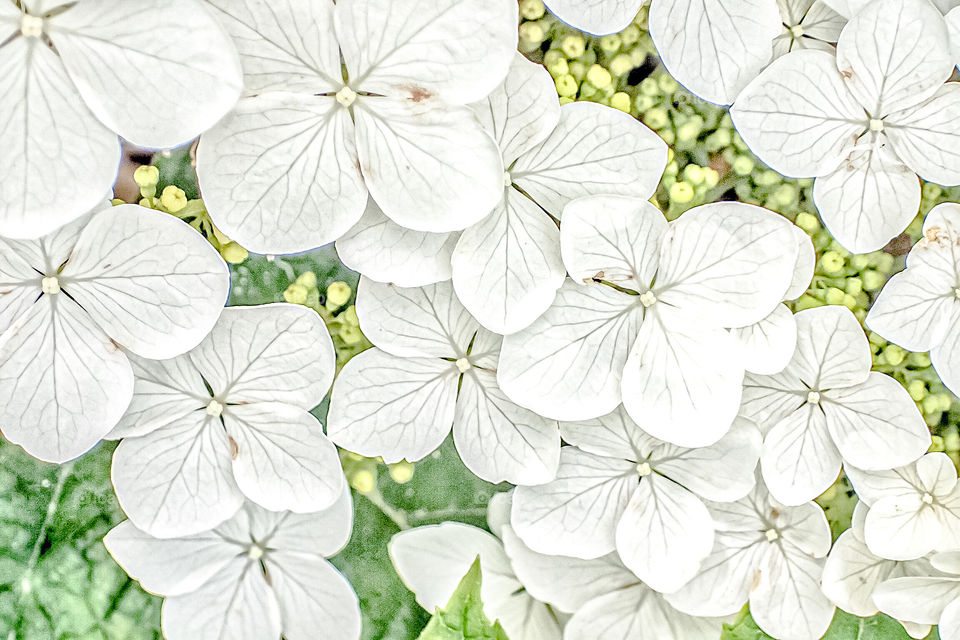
{"points": [[843, 627], [464, 619], [176, 168]]}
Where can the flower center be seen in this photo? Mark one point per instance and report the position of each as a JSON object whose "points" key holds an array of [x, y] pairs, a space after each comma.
{"points": [[214, 409], [463, 364], [50, 285], [31, 26], [346, 96], [956, 293], [644, 469], [813, 397], [797, 31], [771, 535], [507, 179], [927, 499], [648, 299], [876, 125], [255, 552]]}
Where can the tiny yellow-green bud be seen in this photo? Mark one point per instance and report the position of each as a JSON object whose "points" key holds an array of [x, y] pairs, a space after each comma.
{"points": [[931, 404], [532, 33], [859, 262], [919, 360], [558, 67], [308, 279], [117, 202], [693, 174], [884, 261], [621, 65], [573, 46], [532, 9], [621, 101], [667, 84], [630, 35], [567, 86], [743, 165], [644, 103], [350, 335], [711, 177], [610, 44], [936, 445], [667, 135], [681, 192], [565, 100], [785, 194], [350, 316], [338, 294], [146, 176], [854, 286], [689, 131], [173, 198], [932, 191], [807, 301], [578, 70], [951, 440], [873, 280], [401, 472], [363, 481], [656, 118], [769, 178], [894, 355], [808, 222], [831, 262], [233, 253], [649, 87], [599, 77], [296, 294], [834, 296], [918, 390]]}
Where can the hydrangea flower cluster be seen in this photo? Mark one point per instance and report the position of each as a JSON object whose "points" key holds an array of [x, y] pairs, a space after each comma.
{"points": [[669, 390]]}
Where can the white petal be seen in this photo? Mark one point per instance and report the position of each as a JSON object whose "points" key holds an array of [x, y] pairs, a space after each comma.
{"points": [[270, 353], [944, 354], [949, 627], [682, 381], [832, 349], [598, 17], [612, 238], [507, 268], [769, 399], [169, 567], [729, 261], [195, 74], [177, 481], [876, 424], [846, 8], [937, 473], [664, 534], [384, 251], [522, 616], [280, 173], [852, 573], [725, 579], [567, 365], [430, 167], [58, 159], [872, 486], [948, 562], [413, 322], [895, 54], [804, 528], [323, 533], [805, 267], [576, 514], [822, 23], [499, 441], [798, 116], [522, 111], [715, 48], [281, 458], [397, 408], [277, 53], [390, 47], [155, 301], [768, 345], [921, 600], [63, 383], [914, 307], [926, 137], [787, 601], [614, 435], [953, 29], [902, 528], [799, 459], [594, 150], [18, 280], [869, 199], [238, 603], [312, 595]]}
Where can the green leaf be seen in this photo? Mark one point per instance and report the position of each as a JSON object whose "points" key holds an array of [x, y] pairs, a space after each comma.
{"points": [[843, 627], [464, 619]]}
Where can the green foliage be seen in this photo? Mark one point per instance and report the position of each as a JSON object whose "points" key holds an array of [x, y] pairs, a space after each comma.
{"points": [[260, 280], [464, 619], [843, 627]]}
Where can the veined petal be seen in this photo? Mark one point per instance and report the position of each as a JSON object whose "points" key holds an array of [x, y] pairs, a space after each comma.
{"points": [[822, 23], [846, 8], [397, 408], [767, 346], [926, 137], [769, 399], [150, 281], [902, 528], [598, 17], [63, 383], [195, 72], [323, 533], [280, 173], [944, 353], [832, 349], [805, 267], [430, 166], [384, 251], [915, 307], [787, 601], [799, 459], [949, 627], [715, 48], [919, 599], [872, 486], [614, 435], [852, 573], [725, 579]]}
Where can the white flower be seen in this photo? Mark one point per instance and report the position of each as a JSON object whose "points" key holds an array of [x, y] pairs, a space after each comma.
{"points": [[927, 600], [643, 319], [291, 168], [435, 367], [919, 308], [432, 560], [619, 489], [849, 8], [807, 24], [72, 77], [230, 420], [864, 122], [607, 600], [914, 509], [257, 575], [72, 301], [827, 407], [852, 573], [771, 555]]}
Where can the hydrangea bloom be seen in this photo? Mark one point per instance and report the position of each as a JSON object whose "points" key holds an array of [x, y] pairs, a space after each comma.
{"points": [[914, 509], [291, 168], [864, 122], [771, 555], [619, 489], [927, 600], [124, 278], [919, 308], [230, 420], [257, 575], [827, 407], [434, 366], [507, 268], [72, 79], [643, 318], [432, 560]]}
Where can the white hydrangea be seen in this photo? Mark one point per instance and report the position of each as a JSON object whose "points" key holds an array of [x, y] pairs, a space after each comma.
{"points": [[78, 304], [257, 575], [291, 168], [72, 80], [927, 600]]}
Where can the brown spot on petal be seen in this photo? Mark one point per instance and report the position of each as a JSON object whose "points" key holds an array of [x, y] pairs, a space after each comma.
{"points": [[234, 448], [418, 93]]}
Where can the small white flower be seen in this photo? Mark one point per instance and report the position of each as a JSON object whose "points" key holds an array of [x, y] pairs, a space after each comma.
{"points": [[862, 125], [827, 407], [771, 555], [257, 575], [933, 599], [72, 77], [914, 509], [434, 368], [230, 420], [619, 489], [72, 301], [291, 168], [919, 308], [643, 318], [807, 24]]}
